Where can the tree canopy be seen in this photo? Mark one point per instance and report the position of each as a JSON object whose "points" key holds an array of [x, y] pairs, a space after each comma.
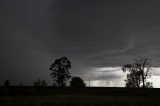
{"points": [[6, 83], [139, 72], [77, 82], [60, 71], [40, 82]]}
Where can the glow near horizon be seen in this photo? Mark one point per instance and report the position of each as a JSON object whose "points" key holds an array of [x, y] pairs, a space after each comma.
{"points": [[119, 81]]}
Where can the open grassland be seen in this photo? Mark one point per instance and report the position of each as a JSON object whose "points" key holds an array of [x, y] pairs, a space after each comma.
{"points": [[79, 97], [78, 100]]}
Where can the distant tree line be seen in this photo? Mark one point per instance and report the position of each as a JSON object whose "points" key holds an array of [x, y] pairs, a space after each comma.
{"points": [[138, 73], [40, 82], [75, 82]]}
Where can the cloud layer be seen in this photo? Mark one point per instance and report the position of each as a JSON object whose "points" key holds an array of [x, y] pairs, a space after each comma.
{"points": [[90, 33]]}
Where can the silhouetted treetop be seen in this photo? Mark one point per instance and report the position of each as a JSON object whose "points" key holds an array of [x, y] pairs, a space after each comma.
{"points": [[60, 71], [40, 82], [139, 71], [7, 83], [77, 82]]}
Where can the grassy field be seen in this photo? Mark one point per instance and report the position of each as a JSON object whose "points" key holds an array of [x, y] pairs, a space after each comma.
{"points": [[45, 96]]}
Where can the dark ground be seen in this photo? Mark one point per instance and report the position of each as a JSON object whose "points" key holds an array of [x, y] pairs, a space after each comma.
{"points": [[89, 96]]}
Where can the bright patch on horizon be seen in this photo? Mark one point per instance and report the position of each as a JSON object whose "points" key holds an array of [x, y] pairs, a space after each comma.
{"points": [[107, 69], [97, 73]]}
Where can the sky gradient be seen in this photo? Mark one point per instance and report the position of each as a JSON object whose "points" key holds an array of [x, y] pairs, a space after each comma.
{"points": [[93, 34]]}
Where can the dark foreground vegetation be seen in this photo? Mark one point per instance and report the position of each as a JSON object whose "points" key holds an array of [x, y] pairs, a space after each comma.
{"points": [[87, 96]]}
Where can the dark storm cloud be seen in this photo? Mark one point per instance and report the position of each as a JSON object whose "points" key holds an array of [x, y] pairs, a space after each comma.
{"points": [[108, 32], [22, 57], [90, 33]]}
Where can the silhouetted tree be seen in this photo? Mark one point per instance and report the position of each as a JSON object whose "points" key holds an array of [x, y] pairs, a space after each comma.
{"points": [[21, 84], [37, 83], [149, 85], [6, 83], [43, 83], [54, 84], [60, 71], [139, 71], [77, 82], [40, 82]]}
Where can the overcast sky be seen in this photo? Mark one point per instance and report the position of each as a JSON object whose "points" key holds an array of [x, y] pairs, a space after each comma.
{"points": [[93, 34]]}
